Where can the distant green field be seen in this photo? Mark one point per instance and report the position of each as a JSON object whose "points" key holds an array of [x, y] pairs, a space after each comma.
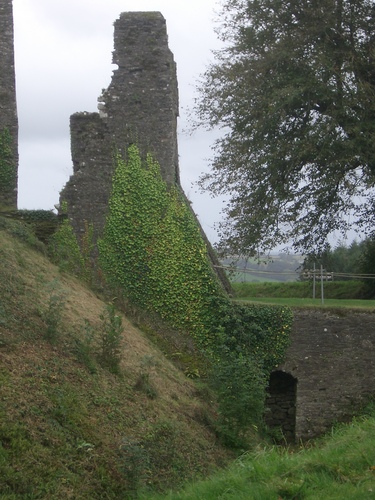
{"points": [[298, 302], [300, 294], [251, 278], [300, 289]]}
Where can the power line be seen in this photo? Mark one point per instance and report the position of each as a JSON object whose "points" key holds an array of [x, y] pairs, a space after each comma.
{"points": [[296, 273]]}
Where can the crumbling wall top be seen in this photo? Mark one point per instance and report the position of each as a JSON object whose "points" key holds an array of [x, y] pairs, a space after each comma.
{"points": [[144, 30]]}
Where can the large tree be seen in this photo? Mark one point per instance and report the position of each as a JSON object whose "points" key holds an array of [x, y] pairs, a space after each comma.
{"points": [[293, 90]]}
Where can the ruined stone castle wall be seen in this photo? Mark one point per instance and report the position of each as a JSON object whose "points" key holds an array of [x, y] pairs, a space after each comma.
{"points": [[142, 99], [140, 106], [8, 107], [87, 191]]}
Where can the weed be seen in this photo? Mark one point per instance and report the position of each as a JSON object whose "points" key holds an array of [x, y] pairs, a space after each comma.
{"points": [[143, 384], [149, 361], [52, 314], [3, 322], [134, 463], [240, 386], [64, 249], [66, 409], [111, 334], [22, 232], [84, 346], [166, 451]]}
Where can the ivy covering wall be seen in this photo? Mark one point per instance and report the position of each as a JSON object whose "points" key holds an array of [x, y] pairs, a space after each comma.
{"points": [[152, 247], [153, 250], [8, 174]]}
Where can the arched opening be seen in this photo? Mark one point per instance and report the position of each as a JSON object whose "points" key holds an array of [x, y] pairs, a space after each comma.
{"points": [[281, 404]]}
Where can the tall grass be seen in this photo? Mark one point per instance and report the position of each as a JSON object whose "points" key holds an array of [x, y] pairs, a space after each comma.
{"points": [[340, 466], [69, 428]]}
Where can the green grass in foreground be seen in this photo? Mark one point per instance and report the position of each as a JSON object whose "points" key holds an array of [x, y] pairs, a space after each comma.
{"points": [[340, 466]]}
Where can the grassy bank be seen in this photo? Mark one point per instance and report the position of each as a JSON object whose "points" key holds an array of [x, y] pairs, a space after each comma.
{"points": [[73, 423], [340, 466]]}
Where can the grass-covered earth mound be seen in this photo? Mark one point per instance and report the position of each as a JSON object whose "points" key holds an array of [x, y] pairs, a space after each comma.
{"points": [[72, 426], [69, 426]]}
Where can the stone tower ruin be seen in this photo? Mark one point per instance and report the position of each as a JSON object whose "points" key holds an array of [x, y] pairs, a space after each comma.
{"points": [[140, 106], [8, 111]]}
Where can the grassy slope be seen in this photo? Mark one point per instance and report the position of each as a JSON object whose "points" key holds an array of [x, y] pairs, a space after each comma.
{"points": [[68, 427], [68, 432]]}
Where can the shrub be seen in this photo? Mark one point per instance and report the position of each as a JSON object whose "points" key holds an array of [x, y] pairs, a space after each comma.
{"points": [[69, 254], [144, 384], [52, 314], [84, 346], [134, 463], [22, 232], [240, 384]]}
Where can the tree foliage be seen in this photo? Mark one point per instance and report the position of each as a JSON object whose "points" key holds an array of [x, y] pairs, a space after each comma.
{"points": [[356, 261], [342, 259], [367, 265], [293, 89]]}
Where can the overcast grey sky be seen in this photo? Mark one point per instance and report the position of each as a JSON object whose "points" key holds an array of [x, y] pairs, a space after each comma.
{"points": [[63, 51]]}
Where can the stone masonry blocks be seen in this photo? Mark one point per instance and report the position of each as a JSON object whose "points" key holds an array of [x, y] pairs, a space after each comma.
{"points": [[8, 106], [332, 357], [140, 106]]}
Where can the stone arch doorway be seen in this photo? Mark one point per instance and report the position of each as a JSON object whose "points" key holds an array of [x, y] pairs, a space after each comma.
{"points": [[281, 404]]}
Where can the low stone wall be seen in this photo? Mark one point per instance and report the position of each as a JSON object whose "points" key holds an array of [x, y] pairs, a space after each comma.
{"points": [[332, 359]]}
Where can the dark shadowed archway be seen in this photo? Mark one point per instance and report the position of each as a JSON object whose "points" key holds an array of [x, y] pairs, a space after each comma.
{"points": [[281, 404]]}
